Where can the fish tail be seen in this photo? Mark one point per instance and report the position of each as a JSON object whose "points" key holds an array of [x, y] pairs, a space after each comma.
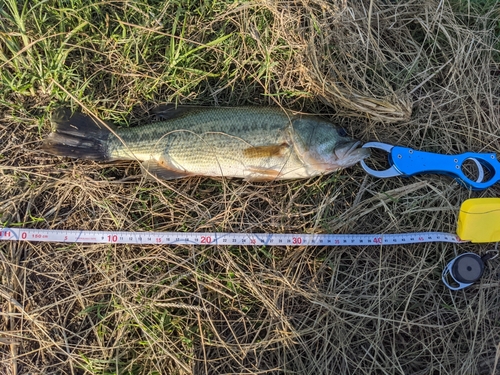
{"points": [[78, 136]]}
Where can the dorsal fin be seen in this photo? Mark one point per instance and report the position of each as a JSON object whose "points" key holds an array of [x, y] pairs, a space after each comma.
{"points": [[171, 111]]}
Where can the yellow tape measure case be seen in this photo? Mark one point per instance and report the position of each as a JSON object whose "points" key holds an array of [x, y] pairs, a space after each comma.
{"points": [[479, 220]]}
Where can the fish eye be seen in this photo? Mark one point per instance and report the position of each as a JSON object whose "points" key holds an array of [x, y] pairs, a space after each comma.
{"points": [[342, 132]]}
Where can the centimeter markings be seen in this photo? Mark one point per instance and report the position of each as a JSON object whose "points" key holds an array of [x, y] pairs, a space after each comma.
{"points": [[213, 238]]}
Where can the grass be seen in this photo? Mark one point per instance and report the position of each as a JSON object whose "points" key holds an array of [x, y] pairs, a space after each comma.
{"points": [[419, 74]]}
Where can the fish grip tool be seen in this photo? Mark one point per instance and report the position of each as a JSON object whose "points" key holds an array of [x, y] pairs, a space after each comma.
{"points": [[406, 162]]}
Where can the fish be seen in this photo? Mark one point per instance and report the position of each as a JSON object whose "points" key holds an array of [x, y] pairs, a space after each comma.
{"points": [[253, 143]]}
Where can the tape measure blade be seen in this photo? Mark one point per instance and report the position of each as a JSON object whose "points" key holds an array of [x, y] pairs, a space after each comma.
{"points": [[214, 238]]}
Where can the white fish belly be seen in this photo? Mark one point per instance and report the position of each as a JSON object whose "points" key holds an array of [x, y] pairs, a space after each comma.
{"points": [[218, 154]]}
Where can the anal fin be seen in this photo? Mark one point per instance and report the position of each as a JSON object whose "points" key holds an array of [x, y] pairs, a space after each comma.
{"points": [[163, 171]]}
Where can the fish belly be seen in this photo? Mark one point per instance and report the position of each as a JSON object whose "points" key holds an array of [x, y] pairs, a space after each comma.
{"points": [[220, 154]]}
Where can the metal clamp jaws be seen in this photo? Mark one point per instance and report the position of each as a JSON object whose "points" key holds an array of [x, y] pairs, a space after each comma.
{"points": [[407, 162], [392, 171]]}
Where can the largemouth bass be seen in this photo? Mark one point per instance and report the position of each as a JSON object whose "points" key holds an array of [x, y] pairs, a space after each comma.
{"points": [[254, 143]]}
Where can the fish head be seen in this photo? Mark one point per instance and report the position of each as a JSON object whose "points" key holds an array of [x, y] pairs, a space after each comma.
{"points": [[335, 155], [326, 148]]}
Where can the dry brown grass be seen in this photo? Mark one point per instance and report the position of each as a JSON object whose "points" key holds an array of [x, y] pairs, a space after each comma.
{"points": [[411, 73]]}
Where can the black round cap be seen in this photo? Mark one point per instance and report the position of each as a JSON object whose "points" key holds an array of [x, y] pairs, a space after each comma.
{"points": [[467, 268]]}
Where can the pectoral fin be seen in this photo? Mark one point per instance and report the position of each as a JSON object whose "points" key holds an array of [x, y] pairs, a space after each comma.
{"points": [[266, 151], [163, 171]]}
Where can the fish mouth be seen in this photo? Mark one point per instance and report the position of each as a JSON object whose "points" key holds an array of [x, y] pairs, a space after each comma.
{"points": [[349, 153]]}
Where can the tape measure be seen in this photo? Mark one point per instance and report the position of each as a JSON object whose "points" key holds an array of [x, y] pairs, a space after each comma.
{"points": [[483, 215], [478, 222], [214, 238]]}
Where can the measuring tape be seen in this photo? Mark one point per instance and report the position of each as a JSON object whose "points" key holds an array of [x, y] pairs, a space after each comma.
{"points": [[477, 222], [214, 238]]}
